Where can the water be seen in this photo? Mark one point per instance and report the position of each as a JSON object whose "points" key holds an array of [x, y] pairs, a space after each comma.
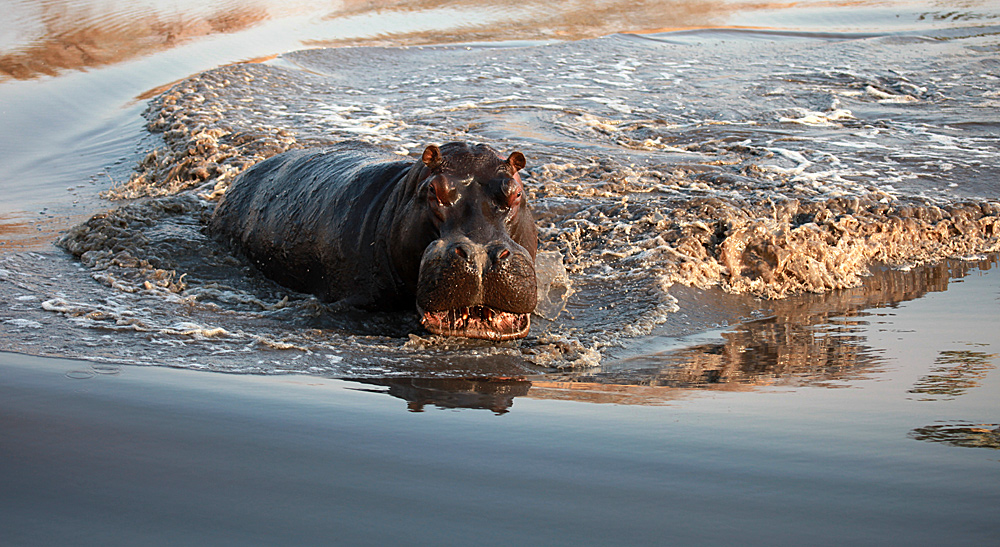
{"points": [[768, 265], [72, 71], [115, 454], [658, 161], [792, 173]]}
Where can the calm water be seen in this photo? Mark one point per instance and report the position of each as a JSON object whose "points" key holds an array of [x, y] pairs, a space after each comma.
{"points": [[656, 408], [905, 452]]}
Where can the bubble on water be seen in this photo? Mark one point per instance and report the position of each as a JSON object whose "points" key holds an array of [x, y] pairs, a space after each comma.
{"points": [[106, 369]]}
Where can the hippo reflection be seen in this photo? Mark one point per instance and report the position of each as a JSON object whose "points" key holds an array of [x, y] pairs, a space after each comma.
{"points": [[494, 394], [451, 233]]}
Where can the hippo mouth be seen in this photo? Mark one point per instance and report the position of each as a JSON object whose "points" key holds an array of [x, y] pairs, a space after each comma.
{"points": [[477, 322]]}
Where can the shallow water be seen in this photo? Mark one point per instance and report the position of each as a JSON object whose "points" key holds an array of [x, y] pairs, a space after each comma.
{"points": [[769, 242], [901, 444], [657, 161], [72, 72], [791, 174]]}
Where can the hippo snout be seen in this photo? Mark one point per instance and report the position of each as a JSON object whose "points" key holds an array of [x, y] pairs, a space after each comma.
{"points": [[476, 290]]}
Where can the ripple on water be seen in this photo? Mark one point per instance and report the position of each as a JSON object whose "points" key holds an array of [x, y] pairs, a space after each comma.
{"points": [[652, 166]]}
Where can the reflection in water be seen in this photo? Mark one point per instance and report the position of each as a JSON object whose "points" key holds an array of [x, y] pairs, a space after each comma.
{"points": [[605, 393], [814, 340], [954, 373], [811, 339], [85, 34], [52, 36], [495, 394], [433, 22], [19, 234], [79, 35], [962, 434]]}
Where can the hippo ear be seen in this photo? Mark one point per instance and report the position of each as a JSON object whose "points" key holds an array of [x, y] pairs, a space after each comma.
{"points": [[516, 160], [432, 156]]}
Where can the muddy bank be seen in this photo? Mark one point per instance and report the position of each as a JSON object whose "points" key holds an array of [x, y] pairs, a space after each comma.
{"points": [[78, 36]]}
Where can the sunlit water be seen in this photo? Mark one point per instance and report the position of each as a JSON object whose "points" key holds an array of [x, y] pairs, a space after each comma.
{"points": [[655, 162], [658, 394], [71, 71]]}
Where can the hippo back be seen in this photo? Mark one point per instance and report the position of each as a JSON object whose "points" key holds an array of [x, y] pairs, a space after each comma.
{"points": [[309, 219]]}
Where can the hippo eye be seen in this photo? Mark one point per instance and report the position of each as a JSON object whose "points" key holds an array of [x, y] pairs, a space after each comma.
{"points": [[514, 192], [441, 194]]}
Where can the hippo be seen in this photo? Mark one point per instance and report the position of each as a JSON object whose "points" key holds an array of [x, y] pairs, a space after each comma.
{"points": [[451, 234]]}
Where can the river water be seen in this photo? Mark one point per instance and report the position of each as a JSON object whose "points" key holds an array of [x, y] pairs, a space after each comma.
{"points": [[768, 162], [738, 202]]}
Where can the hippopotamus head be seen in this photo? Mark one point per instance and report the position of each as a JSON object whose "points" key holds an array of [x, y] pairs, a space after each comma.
{"points": [[476, 277]]}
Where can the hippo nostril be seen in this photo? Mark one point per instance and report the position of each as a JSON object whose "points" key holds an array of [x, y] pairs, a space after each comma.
{"points": [[499, 252], [463, 251]]}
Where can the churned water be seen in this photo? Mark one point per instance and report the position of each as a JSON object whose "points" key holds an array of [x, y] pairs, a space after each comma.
{"points": [[656, 162]]}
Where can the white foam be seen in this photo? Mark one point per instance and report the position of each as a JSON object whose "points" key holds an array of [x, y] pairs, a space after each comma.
{"points": [[817, 119], [801, 162], [859, 145], [885, 97], [613, 104], [614, 84], [24, 323], [195, 330]]}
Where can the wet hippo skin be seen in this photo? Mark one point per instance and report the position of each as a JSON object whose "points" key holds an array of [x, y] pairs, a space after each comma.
{"points": [[451, 233]]}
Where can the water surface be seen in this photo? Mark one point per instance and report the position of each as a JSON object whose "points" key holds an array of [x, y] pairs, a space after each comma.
{"points": [[831, 381], [71, 71], [99, 454]]}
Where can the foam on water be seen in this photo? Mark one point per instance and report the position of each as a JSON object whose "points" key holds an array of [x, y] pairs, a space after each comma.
{"points": [[652, 165]]}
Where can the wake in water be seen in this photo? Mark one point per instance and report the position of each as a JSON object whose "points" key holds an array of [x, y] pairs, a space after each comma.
{"points": [[766, 165]]}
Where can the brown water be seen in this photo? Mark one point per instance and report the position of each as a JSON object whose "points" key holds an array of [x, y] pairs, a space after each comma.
{"points": [[802, 171], [770, 293]]}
